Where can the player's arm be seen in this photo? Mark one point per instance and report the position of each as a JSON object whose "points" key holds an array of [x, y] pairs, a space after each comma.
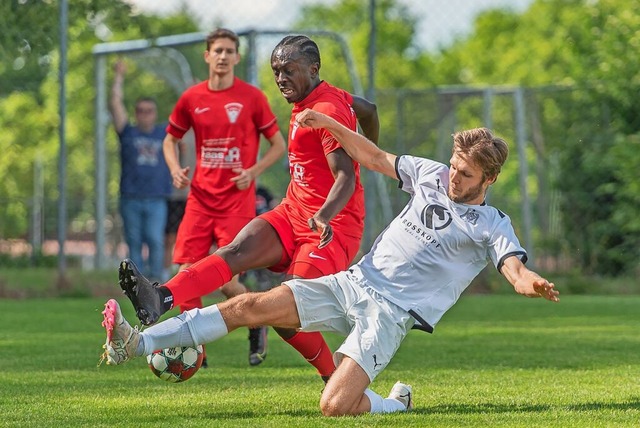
{"points": [[179, 175], [274, 152], [357, 146], [527, 282], [367, 114], [341, 191], [116, 101]]}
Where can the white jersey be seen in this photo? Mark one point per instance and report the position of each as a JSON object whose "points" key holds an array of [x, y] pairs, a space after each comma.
{"points": [[434, 248]]}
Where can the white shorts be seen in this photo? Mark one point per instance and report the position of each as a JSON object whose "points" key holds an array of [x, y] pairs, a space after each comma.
{"points": [[339, 303]]}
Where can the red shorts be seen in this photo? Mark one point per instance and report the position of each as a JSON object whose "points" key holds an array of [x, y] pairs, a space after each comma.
{"points": [[300, 255], [199, 231]]}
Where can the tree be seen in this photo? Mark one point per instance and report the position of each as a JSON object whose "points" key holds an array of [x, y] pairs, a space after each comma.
{"points": [[29, 100], [399, 60], [583, 45]]}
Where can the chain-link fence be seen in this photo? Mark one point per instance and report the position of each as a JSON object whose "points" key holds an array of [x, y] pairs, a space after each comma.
{"points": [[419, 122], [550, 131], [415, 122]]}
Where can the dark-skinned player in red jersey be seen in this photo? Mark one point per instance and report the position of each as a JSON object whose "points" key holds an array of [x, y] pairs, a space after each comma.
{"points": [[315, 230]]}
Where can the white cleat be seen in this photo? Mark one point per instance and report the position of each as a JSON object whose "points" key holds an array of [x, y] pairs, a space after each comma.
{"points": [[122, 339], [403, 394]]}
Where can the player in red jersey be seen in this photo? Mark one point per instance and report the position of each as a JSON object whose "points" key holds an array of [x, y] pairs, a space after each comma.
{"points": [[314, 231], [227, 116]]}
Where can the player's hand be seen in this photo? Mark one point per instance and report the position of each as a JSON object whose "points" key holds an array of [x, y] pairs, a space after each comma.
{"points": [[311, 119], [326, 231], [546, 289], [181, 178], [243, 179]]}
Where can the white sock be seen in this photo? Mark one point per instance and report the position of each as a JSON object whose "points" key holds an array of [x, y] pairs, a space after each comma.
{"points": [[190, 328], [383, 405], [206, 324]]}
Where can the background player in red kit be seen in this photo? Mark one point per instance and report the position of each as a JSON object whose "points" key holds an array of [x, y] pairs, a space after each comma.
{"points": [[314, 231], [227, 116]]}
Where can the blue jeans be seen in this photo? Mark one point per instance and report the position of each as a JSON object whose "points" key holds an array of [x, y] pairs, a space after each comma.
{"points": [[144, 222]]}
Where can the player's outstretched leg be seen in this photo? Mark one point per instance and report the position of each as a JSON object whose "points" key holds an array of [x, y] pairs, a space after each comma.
{"points": [[257, 345], [402, 393], [145, 296], [122, 339]]}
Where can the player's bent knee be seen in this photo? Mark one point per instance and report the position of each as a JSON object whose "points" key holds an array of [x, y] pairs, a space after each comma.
{"points": [[333, 406]]}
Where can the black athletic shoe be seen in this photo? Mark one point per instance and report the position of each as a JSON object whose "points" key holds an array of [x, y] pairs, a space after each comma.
{"points": [[144, 295], [257, 345]]}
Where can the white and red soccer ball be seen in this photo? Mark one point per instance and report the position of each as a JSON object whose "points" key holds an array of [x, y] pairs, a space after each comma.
{"points": [[176, 364]]}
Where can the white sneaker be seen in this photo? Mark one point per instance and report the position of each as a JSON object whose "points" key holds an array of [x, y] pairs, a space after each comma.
{"points": [[402, 393], [122, 339]]}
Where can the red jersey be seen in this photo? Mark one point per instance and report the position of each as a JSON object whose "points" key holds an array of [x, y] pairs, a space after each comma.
{"points": [[227, 125], [311, 177]]}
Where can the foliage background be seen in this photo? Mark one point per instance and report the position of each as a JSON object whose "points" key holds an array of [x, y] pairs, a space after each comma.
{"points": [[571, 56]]}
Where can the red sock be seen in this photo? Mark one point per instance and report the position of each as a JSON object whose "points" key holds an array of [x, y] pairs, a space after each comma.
{"points": [[199, 279], [315, 350]]}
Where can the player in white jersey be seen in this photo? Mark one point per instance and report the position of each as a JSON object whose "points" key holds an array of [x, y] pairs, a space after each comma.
{"points": [[430, 253], [415, 271]]}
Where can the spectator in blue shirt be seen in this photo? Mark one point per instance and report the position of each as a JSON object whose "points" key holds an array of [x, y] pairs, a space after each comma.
{"points": [[145, 181]]}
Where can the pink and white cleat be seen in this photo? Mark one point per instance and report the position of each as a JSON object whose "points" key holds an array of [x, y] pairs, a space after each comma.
{"points": [[122, 339]]}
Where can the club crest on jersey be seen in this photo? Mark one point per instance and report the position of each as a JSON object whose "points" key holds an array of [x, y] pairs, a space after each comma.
{"points": [[471, 216], [233, 111], [436, 217]]}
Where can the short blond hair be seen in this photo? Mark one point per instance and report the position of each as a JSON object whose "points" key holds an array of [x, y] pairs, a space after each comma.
{"points": [[483, 148]]}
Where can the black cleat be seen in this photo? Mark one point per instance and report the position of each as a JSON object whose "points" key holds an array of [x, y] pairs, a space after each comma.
{"points": [[257, 345], [144, 295]]}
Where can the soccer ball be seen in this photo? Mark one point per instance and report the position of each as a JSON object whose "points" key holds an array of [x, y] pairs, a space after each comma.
{"points": [[175, 364]]}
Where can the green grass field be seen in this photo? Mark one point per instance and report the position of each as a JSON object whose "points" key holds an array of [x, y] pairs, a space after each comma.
{"points": [[493, 361]]}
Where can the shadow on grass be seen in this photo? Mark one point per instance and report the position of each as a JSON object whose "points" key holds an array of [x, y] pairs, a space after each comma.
{"points": [[466, 409], [633, 404]]}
